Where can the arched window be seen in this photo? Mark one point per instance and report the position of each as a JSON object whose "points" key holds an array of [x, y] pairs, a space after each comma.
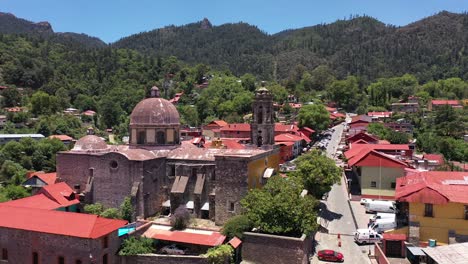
{"points": [[160, 137], [260, 116], [141, 137], [259, 141]]}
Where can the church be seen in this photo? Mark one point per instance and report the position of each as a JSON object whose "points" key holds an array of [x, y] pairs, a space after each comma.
{"points": [[159, 172]]}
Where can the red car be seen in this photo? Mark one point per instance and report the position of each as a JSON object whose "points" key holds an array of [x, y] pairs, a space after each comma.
{"points": [[330, 255]]}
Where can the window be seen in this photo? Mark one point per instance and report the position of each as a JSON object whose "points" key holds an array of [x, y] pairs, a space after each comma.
{"points": [[61, 260], [35, 258], [231, 207], [428, 210], [466, 212], [393, 185], [104, 259], [373, 184], [105, 242], [141, 137], [4, 254], [113, 164], [160, 137]]}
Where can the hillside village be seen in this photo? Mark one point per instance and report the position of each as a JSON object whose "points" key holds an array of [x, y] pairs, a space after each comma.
{"points": [[144, 159]]}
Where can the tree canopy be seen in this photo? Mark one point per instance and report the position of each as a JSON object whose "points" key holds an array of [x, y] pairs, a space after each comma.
{"points": [[278, 208]]}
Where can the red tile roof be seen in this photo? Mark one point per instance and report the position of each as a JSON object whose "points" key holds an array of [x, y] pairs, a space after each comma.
{"points": [[61, 193], [361, 118], [435, 187], [291, 137], [375, 159], [39, 201], [438, 158], [205, 238], [330, 109], [444, 102], [361, 141], [57, 222], [308, 129], [219, 123], [62, 137], [228, 144], [236, 127], [290, 143], [362, 135], [400, 237], [235, 242], [48, 178], [89, 113], [286, 128], [355, 149]]}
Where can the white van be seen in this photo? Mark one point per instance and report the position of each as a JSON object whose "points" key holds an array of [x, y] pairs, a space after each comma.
{"points": [[380, 206], [366, 236], [374, 217], [382, 225]]}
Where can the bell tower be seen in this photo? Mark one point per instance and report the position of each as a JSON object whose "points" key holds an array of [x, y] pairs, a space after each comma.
{"points": [[263, 124]]}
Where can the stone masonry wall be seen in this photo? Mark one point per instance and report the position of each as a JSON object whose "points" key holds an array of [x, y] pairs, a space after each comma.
{"points": [[231, 187], [268, 249], [22, 243], [154, 258]]}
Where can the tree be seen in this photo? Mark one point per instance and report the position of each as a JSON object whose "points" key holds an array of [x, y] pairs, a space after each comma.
{"points": [[95, 209], [378, 130], [189, 115], [11, 97], [43, 104], [136, 245], [220, 254], [248, 82], [126, 209], [345, 93], [314, 116], [317, 172], [236, 226], [13, 192], [278, 208], [180, 219], [112, 213]]}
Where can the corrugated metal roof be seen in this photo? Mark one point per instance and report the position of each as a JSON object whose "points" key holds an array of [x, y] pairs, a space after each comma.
{"points": [[450, 254], [432, 187]]}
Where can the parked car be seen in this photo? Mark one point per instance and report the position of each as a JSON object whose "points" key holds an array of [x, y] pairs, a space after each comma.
{"points": [[363, 236], [330, 255], [372, 218], [382, 225], [365, 200], [172, 250], [380, 206]]}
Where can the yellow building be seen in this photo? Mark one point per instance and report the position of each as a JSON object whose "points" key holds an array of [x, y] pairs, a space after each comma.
{"points": [[436, 206]]}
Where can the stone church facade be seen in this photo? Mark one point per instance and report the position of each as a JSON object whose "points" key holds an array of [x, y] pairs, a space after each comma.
{"points": [[159, 172]]}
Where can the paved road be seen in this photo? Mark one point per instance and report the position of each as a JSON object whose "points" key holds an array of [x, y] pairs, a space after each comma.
{"points": [[337, 218]]}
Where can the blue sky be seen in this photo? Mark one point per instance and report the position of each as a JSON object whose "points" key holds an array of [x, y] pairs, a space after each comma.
{"points": [[111, 20]]}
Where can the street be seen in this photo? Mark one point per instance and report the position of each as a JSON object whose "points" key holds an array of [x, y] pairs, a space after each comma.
{"points": [[337, 219]]}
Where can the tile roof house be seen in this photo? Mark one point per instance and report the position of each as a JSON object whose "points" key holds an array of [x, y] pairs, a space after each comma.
{"points": [[436, 203], [40, 179], [41, 236], [370, 139], [376, 172], [64, 138], [434, 104]]}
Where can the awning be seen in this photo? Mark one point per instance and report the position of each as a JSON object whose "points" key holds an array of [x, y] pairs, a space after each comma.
{"points": [[206, 207], [167, 203], [189, 205], [268, 173]]}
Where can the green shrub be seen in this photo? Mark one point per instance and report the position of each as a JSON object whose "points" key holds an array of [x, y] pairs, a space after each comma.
{"points": [[236, 226], [136, 245], [219, 254]]}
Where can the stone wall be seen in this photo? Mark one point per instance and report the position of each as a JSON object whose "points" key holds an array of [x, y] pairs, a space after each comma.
{"points": [[231, 187], [268, 249], [21, 244], [155, 258]]}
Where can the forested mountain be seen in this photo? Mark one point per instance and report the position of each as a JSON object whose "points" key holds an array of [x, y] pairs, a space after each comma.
{"points": [[432, 48], [10, 24]]}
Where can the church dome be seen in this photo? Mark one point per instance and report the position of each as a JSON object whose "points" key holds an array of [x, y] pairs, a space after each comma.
{"points": [[90, 142], [154, 111]]}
